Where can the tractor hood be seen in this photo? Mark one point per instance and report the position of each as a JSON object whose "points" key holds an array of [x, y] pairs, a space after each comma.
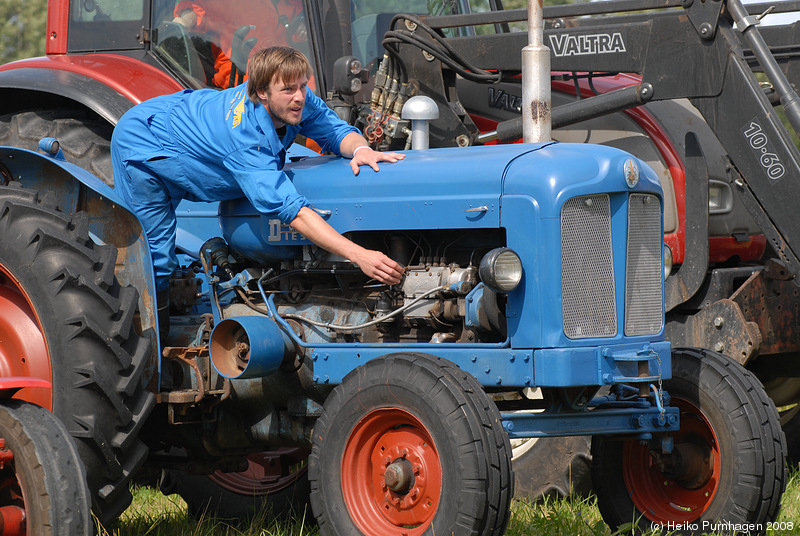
{"points": [[449, 188]]}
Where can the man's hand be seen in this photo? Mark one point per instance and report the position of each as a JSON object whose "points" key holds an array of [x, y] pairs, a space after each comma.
{"points": [[365, 156], [378, 266]]}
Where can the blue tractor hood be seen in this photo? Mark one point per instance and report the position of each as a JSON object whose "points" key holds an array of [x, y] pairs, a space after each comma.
{"points": [[446, 188], [429, 189]]}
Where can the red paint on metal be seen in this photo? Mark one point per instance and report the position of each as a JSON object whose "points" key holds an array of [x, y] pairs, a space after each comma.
{"points": [[132, 78], [723, 248], [57, 24], [381, 438], [267, 472], [23, 349], [662, 499], [12, 521]]}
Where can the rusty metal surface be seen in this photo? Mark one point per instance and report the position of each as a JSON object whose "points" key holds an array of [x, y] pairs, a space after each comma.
{"points": [[198, 402], [771, 300], [721, 327]]}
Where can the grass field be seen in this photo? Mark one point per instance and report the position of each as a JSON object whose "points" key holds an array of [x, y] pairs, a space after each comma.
{"points": [[153, 514]]}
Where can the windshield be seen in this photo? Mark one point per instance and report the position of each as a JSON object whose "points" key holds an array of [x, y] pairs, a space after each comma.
{"points": [[208, 42]]}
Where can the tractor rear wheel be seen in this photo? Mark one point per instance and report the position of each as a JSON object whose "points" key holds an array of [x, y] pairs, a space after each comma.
{"points": [[552, 467], [66, 319], [276, 482], [410, 444], [84, 138], [42, 481], [729, 455]]}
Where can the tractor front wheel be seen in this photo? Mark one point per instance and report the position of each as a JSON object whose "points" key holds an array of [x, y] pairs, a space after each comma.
{"points": [[410, 444], [727, 467]]}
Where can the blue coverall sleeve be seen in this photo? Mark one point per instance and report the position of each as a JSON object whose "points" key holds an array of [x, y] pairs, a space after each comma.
{"points": [[322, 125], [265, 186]]}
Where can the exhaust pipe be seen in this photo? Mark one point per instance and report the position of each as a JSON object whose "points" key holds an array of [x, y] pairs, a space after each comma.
{"points": [[536, 120]]}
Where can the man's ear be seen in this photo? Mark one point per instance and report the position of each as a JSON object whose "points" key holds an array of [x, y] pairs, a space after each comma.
{"points": [[262, 94]]}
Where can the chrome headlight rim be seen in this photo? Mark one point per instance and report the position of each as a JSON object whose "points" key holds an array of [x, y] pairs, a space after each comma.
{"points": [[667, 261], [501, 270]]}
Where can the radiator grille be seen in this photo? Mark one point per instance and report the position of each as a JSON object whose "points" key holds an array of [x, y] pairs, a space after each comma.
{"points": [[644, 270], [587, 268]]}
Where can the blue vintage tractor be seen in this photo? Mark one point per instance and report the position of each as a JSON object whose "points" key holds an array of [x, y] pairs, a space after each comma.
{"points": [[529, 268]]}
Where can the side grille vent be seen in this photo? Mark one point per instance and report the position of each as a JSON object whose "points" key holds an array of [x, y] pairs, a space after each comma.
{"points": [[587, 268], [644, 268]]}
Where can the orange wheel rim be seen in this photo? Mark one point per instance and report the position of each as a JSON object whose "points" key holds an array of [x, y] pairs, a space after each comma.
{"points": [[662, 499], [391, 474], [23, 349]]}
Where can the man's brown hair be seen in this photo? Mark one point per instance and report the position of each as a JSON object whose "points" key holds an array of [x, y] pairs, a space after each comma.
{"points": [[286, 63]]}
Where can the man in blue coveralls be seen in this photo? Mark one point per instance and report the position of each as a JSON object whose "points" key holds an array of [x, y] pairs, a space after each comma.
{"points": [[210, 145]]}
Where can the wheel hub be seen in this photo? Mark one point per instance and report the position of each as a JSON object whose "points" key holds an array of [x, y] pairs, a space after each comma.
{"points": [[690, 463], [399, 475], [23, 350], [12, 521]]}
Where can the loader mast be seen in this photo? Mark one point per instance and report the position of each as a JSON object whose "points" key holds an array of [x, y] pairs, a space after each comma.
{"points": [[706, 52]]}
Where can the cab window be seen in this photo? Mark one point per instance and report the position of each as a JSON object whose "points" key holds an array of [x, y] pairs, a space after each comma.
{"points": [[208, 42], [96, 25]]}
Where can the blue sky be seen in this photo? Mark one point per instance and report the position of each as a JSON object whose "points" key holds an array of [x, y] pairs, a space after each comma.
{"points": [[782, 18]]}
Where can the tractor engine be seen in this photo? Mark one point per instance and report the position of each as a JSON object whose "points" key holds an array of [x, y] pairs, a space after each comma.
{"points": [[450, 293]]}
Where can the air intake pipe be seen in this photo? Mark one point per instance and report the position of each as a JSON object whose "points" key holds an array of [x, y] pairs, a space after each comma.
{"points": [[246, 347], [420, 110]]}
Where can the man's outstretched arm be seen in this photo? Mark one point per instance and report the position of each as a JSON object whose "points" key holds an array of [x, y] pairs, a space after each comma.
{"points": [[373, 263]]}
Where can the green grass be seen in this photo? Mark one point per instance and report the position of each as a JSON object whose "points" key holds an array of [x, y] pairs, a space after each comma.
{"points": [[153, 514]]}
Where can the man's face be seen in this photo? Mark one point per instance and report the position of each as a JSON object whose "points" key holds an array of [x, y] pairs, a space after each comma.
{"points": [[284, 100]]}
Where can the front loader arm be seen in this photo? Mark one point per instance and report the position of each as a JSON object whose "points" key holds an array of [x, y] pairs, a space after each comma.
{"points": [[683, 49]]}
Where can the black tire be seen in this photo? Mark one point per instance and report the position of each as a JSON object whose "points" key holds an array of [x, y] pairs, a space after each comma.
{"points": [[785, 393], [553, 467], [276, 484], [84, 138], [727, 417], [420, 416], [792, 430], [99, 366], [42, 474]]}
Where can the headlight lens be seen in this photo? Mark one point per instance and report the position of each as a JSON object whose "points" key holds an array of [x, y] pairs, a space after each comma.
{"points": [[667, 261], [501, 270]]}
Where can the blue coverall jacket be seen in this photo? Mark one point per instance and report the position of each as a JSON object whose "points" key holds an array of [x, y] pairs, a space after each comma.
{"points": [[209, 145]]}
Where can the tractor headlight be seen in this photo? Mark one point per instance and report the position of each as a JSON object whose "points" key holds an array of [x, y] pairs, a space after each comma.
{"points": [[667, 261], [501, 270]]}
